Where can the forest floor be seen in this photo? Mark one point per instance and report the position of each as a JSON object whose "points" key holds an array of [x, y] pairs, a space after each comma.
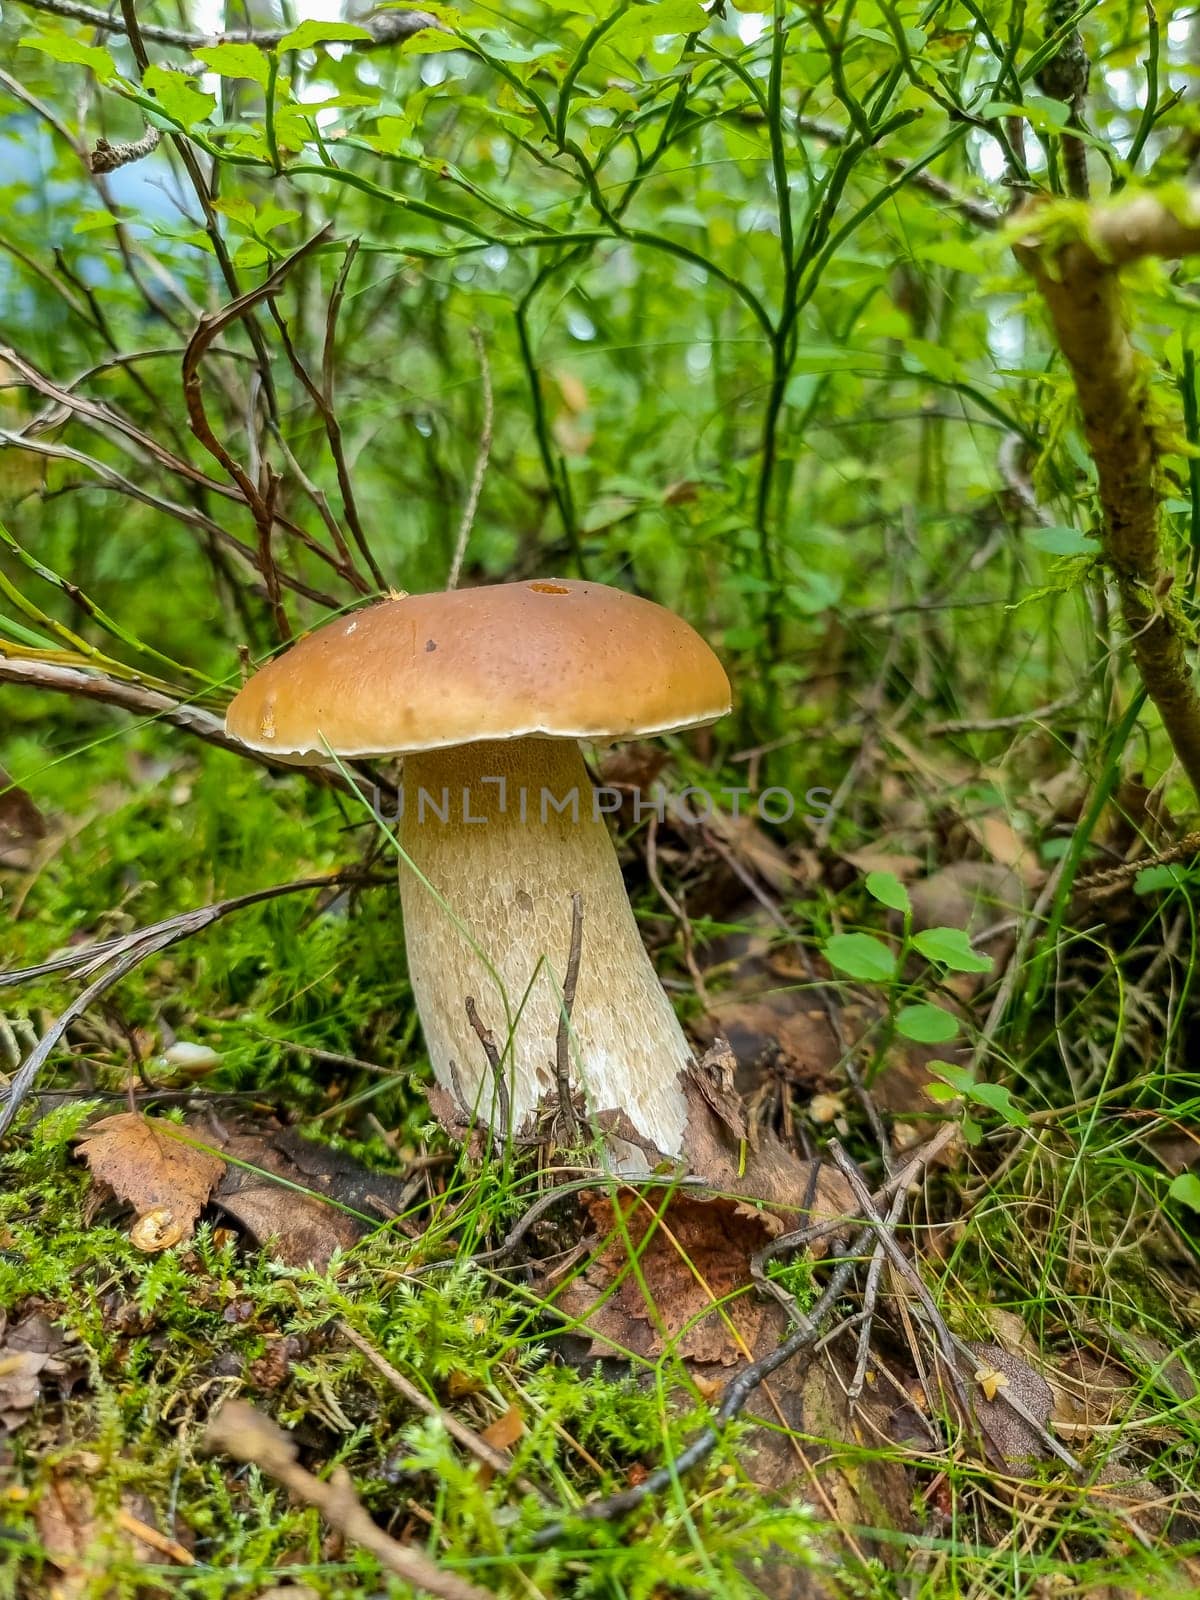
{"points": [[230, 1185]]}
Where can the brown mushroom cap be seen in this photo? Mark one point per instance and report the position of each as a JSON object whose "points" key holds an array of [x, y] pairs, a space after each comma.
{"points": [[557, 658]]}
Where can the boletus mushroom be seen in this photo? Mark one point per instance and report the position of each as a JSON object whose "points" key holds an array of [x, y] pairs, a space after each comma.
{"points": [[486, 693]]}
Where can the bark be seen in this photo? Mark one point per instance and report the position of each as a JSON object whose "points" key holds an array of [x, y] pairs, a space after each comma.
{"points": [[1080, 285]]}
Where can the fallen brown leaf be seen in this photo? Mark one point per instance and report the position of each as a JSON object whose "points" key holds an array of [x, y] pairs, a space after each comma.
{"points": [[1000, 1374], [697, 1255], [154, 1166], [80, 1542], [505, 1431], [299, 1196], [29, 1352], [22, 826]]}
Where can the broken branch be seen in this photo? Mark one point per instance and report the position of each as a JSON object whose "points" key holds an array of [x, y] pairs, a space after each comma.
{"points": [[238, 1430]]}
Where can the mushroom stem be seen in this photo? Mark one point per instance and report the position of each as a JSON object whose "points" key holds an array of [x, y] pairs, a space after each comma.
{"points": [[506, 832]]}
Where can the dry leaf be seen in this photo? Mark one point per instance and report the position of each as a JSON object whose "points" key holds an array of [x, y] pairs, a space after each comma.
{"points": [[999, 1374], [967, 894], [152, 1165], [1006, 846], [785, 1023], [28, 1353], [698, 1254], [715, 1076], [991, 1380], [505, 1431], [22, 825], [878, 858], [81, 1544], [309, 1215]]}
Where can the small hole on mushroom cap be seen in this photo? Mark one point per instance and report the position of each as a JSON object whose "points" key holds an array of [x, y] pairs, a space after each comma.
{"points": [[549, 588]]}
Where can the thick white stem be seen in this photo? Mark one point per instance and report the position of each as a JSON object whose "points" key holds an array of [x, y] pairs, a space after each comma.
{"points": [[506, 833]]}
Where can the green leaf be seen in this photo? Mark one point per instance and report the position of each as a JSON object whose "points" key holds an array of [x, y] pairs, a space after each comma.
{"points": [[1150, 879], [178, 95], [664, 18], [237, 61], [860, 955], [941, 1092], [1186, 1189], [998, 1099], [62, 47], [1042, 113], [950, 947], [392, 134], [814, 592], [269, 215], [993, 1096], [926, 1024], [934, 359], [889, 891], [312, 32], [1059, 541], [91, 220], [431, 42]]}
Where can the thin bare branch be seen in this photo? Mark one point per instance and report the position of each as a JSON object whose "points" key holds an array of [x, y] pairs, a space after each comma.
{"points": [[977, 212], [392, 27], [109, 478], [153, 705], [333, 427], [127, 953], [259, 500]]}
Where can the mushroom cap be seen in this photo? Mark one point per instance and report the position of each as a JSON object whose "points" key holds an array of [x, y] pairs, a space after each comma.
{"points": [[556, 658]]}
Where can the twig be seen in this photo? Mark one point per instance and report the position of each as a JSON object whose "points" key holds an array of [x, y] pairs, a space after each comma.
{"points": [[976, 212], [333, 426], [245, 1434], [1108, 879], [497, 1460], [116, 959], [391, 27], [676, 909], [896, 1183], [880, 1229], [562, 1056], [491, 1050], [870, 1296], [106, 157], [482, 457], [207, 329], [1000, 724], [333, 432], [158, 707]]}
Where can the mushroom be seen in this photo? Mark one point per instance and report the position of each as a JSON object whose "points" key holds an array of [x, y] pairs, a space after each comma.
{"points": [[486, 693]]}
